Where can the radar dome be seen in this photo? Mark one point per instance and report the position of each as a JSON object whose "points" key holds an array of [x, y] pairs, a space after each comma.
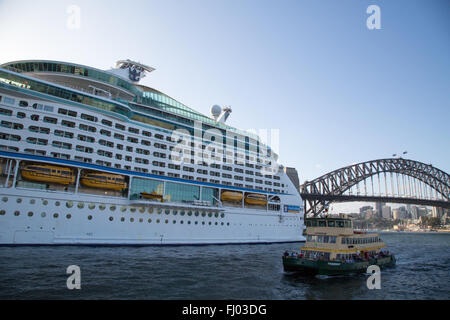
{"points": [[216, 111]]}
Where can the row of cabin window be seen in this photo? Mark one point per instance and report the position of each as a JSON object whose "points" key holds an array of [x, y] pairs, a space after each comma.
{"points": [[360, 240], [92, 118], [108, 133]]}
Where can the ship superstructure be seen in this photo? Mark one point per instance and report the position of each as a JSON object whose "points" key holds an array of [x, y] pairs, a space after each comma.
{"points": [[94, 157]]}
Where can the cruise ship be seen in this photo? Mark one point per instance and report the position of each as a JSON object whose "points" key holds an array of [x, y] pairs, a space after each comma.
{"points": [[94, 157]]}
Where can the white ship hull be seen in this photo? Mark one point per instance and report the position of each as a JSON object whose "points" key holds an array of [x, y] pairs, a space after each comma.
{"points": [[29, 219]]}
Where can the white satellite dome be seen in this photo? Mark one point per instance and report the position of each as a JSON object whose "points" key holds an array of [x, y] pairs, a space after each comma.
{"points": [[216, 111]]}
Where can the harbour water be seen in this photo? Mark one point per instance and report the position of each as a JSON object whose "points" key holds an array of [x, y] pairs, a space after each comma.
{"points": [[218, 272]]}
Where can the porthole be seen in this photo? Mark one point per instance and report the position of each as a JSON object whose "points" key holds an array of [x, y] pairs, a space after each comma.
{"points": [[131, 219], [159, 211], [150, 210], [174, 221], [209, 223], [141, 209], [19, 200], [5, 199], [189, 213], [16, 213], [69, 204], [222, 215], [91, 206], [149, 220], [167, 211], [228, 223], [216, 215], [43, 214], [111, 218], [112, 208], [203, 214], [210, 214], [196, 222], [57, 203], [166, 221], [216, 223], [203, 222], [102, 206], [181, 222], [89, 217], [141, 220], [157, 221], [189, 222], [122, 219], [80, 205], [196, 213], [32, 201], [133, 209], [55, 215], [68, 216], [123, 208], [44, 202], [30, 214], [221, 223], [174, 212], [2, 212]]}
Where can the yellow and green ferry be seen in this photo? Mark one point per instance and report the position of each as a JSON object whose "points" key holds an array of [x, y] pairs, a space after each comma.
{"points": [[333, 247]]}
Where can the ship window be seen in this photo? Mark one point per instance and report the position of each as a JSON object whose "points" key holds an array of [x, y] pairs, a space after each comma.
{"points": [[331, 223], [314, 223], [340, 224], [5, 112], [322, 223]]}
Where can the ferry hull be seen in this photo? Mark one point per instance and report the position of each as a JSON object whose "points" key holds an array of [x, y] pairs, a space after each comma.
{"points": [[333, 268]]}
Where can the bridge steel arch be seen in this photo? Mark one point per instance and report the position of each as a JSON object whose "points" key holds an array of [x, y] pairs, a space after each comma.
{"points": [[318, 193]]}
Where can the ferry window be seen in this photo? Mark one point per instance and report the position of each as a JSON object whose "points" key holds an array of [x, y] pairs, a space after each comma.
{"points": [[322, 223], [332, 239], [326, 239], [319, 238], [314, 223], [340, 224], [347, 224], [331, 223]]}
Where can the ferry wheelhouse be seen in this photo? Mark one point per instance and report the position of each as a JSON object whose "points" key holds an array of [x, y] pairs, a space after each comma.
{"points": [[90, 156], [333, 247]]}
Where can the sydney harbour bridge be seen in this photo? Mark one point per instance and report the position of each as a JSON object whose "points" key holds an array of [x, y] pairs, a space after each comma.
{"points": [[393, 180]]}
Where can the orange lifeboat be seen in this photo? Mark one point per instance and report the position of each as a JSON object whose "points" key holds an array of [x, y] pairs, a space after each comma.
{"points": [[153, 196], [255, 198], [232, 196], [102, 180], [47, 173]]}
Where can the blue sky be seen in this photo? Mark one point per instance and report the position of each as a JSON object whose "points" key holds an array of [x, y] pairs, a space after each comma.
{"points": [[338, 92]]}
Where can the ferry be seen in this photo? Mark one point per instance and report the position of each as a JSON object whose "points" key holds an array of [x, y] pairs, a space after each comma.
{"points": [[91, 157], [333, 247]]}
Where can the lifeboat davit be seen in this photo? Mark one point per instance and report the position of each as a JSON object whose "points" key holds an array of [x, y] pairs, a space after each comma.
{"points": [[254, 198], [231, 196], [102, 180], [48, 173]]}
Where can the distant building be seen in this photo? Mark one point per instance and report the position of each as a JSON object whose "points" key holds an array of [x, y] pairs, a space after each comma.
{"points": [[293, 175], [369, 213], [437, 212], [363, 211], [379, 208], [386, 212]]}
